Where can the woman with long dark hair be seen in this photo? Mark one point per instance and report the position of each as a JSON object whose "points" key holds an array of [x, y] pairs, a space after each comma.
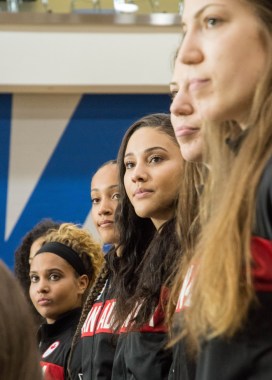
{"points": [[150, 169]]}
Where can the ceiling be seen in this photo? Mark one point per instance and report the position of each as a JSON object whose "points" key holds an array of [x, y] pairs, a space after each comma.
{"points": [[90, 6]]}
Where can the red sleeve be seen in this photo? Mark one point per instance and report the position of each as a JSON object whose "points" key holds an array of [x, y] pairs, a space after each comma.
{"points": [[52, 371], [262, 263]]}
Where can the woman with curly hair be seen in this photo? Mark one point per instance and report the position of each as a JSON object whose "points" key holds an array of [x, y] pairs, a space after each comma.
{"points": [[61, 272], [30, 243]]}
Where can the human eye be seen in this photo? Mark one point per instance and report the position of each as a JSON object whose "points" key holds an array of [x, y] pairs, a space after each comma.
{"points": [[34, 278], [116, 196], [95, 200], [54, 277], [155, 159], [211, 21], [129, 165]]}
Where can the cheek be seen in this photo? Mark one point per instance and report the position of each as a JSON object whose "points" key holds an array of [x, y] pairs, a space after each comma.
{"points": [[94, 214], [75, 292], [31, 292], [173, 120], [127, 184], [174, 179]]}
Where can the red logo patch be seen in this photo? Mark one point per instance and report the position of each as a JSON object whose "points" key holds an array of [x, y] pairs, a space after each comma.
{"points": [[51, 349]]}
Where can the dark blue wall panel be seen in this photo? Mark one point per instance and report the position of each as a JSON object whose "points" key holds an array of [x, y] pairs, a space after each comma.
{"points": [[92, 136]]}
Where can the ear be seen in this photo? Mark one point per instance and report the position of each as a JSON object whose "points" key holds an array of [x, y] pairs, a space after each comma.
{"points": [[83, 282]]}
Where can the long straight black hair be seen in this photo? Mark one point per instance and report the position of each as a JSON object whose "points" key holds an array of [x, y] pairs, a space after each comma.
{"points": [[148, 256]]}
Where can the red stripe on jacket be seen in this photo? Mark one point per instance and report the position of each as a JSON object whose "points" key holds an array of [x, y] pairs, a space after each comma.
{"points": [[262, 264]]}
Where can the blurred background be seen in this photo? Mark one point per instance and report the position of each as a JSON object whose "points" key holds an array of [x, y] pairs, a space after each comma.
{"points": [[102, 6], [73, 77]]}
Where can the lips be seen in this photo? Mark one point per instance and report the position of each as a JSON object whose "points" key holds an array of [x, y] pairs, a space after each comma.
{"points": [[142, 193], [44, 301], [185, 131], [105, 223]]}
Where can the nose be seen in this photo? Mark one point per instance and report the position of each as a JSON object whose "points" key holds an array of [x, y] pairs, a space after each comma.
{"points": [[104, 207], [181, 104], [190, 52], [42, 286], [139, 174]]}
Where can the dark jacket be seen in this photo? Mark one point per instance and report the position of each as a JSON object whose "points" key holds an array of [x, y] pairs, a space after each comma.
{"points": [[98, 340], [248, 354], [55, 344], [142, 355]]}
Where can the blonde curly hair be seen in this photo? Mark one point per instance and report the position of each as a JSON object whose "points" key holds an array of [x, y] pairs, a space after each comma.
{"points": [[82, 242]]}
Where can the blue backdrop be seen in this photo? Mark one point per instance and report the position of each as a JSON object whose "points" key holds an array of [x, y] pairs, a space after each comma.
{"points": [[91, 137]]}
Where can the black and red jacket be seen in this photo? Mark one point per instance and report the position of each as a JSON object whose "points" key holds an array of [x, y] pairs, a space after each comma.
{"points": [[97, 338], [248, 355], [142, 354], [55, 344], [183, 366]]}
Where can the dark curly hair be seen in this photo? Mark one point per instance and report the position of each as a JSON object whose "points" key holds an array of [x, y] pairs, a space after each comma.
{"points": [[22, 267]]}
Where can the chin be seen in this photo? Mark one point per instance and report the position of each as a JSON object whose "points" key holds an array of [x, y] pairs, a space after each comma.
{"points": [[141, 214], [191, 154], [192, 157], [108, 239]]}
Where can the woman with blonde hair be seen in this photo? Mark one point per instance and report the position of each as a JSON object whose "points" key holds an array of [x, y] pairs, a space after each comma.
{"points": [[187, 125], [227, 292]]}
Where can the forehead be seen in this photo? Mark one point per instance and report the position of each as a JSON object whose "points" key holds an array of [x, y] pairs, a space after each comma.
{"points": [[105, 177], [47, 260], [148, 137], [146, 134], [193, 8]]}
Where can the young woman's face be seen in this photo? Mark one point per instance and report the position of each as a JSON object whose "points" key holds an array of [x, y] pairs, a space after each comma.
{"points": [[54, 288], [153, 170], [184, 117], [105, 196], [225, 56]]}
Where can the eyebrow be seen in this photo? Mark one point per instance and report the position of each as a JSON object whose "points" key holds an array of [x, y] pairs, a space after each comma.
{"points": [[148, 150], [109, 187], [47, 270], [200, 11]]}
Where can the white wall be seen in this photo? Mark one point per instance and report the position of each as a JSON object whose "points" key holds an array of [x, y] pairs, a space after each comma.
{"points": [[86, 59]]}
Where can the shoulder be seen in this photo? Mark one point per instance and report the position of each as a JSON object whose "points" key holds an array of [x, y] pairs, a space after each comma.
{"points": [[267, 173], [264, 203], [264, 191]]}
